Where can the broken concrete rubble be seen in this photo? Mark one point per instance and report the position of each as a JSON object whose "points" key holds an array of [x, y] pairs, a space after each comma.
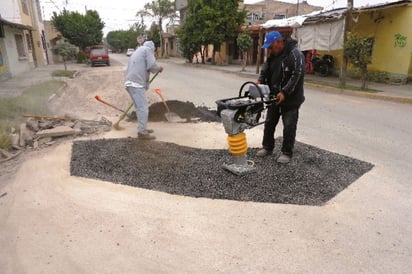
{"points": [[39, 131], [26, 136], [32, 124], [58, 131], [48, 124]]}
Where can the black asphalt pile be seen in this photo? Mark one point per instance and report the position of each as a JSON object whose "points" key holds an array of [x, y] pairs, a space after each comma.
{"points": [[312, 178], [186, 110]]}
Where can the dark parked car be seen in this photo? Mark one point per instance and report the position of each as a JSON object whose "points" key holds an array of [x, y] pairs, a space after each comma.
{"points": [[99, 56]]}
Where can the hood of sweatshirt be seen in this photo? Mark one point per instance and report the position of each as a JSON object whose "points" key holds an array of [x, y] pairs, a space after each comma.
{"points": [[290, 44], [150, 45]]}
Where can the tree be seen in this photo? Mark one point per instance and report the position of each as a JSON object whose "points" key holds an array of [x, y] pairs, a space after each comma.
{"points": [[244, 42], [227, 22], [121, 40], [153, 34], [159, 10], [65, 50], [358, 51], [211, 22], [80, 30]]}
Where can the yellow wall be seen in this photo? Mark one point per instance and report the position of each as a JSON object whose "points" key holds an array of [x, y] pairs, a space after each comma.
{"points": [[3, 61], [25, 18], [389, 54]]}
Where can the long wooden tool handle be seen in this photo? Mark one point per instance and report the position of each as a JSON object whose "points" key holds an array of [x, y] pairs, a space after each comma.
{"points": [[48, 117], [131, 105], [125, 113], [164, 101], [154, 76], [108, 104]]}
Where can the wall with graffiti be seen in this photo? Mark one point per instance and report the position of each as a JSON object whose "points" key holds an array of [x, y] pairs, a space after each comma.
{"points": [[2, 60], [390, 29]]}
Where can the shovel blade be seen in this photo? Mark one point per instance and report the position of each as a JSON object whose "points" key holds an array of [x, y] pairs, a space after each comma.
{"points": [[174, 118]]}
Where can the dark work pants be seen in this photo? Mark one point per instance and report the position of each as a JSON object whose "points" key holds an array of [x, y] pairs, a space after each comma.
{"points": [[290, 120]]}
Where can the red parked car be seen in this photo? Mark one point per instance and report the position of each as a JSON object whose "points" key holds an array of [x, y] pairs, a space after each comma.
{"points": [[99, 56]]}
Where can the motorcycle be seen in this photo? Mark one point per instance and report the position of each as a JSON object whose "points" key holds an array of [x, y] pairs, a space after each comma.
{"points": [[324, 65], [319, 64]]}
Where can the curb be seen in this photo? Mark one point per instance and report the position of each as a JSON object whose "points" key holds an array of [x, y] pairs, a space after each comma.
{"points": [[208, 67], [374, 96], [320, 87]]}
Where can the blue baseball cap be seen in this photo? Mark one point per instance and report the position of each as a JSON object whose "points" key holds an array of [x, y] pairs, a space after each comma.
{"points": [[271, 37]]}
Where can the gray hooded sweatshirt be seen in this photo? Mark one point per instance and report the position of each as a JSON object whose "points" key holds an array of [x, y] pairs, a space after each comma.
{"points": [[141, 63]]}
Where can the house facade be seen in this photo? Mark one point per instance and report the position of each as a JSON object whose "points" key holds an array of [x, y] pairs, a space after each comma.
{"points": [[389, 27], [22, 37], [386, 25], [260, 12]]}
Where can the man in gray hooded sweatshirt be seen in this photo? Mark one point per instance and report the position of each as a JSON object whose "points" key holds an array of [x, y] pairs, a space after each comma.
{"points": [[141, 64]]}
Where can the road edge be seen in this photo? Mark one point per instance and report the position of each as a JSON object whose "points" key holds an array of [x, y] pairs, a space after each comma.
{"points": [[319, 86]]}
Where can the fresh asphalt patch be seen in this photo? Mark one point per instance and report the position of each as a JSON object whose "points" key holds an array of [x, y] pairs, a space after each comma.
{"points": [[312, 178]]}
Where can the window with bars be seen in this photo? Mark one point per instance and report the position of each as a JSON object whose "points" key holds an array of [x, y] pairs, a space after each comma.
{"points": [[24, 7], [28, 40], [21, 51]]}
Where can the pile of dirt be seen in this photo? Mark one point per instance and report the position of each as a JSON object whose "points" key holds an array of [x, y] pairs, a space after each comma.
{"points": [[312, 178], [185, 110]]}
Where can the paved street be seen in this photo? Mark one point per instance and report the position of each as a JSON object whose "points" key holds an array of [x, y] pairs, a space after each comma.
{"points": [[55, 221], [372, 130]]}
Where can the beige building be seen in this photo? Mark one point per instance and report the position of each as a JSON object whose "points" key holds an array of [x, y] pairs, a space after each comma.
{"points": [[265, 10], [22, 37]]}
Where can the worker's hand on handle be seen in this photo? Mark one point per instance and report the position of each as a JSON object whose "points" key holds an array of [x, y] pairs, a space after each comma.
{"points": [[161, 69], [280, 98]]}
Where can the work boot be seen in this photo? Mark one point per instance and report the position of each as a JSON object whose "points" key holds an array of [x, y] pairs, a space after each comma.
{"points": [[284, 159], [145, 136], [263, 152], [149, 131]]}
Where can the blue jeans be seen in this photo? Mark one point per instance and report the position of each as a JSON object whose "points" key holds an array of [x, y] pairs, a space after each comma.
{"points": [[142, 110]]}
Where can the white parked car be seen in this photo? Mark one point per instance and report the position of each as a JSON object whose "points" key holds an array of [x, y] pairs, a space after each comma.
{"points": [[130, 52]]}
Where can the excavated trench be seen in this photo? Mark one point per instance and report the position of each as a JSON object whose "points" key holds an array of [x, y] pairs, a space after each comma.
{"points": [[185, 110], [312, 178]]}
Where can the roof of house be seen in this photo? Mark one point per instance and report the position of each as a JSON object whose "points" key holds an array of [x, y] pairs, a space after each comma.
{"points": [[329, 15], [14, 25]]}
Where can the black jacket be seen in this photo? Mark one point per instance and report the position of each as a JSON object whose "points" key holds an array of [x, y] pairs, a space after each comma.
{"points": [[286, 73], [270, 73]]}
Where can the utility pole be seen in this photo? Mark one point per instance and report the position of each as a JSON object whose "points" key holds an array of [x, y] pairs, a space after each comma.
{"points": [[297, 9], [259, 53], [348, 28]]}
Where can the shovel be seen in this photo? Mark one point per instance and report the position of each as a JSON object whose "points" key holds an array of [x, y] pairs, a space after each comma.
{"points": [[116, 125], [170, 116]]}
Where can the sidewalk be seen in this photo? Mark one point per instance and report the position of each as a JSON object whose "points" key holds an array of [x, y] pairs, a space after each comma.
{"points": [[16, 85], [395, 93]]}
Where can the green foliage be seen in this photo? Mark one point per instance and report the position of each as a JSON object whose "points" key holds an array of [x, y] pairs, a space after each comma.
{"points": [[358, 50], [210, 22], [65, 50], [154, 34], [5, 139], [121, 40], [80, 30], [64, 73], [158, 10], [81, 57], [244, 40], [190, 39]]}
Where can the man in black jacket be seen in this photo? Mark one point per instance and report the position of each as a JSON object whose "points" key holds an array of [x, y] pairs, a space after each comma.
{"points": [[284, 73]]}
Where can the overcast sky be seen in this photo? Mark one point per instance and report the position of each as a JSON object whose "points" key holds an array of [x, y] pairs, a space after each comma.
{"points": [[119, 14]]}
